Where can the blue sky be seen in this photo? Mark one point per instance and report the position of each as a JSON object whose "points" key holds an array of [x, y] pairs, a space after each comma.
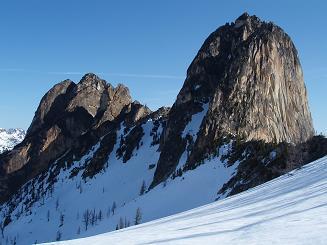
{"points": [[147, 45]]}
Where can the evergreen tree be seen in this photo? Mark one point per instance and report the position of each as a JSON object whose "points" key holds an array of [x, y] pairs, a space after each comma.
{"points": [[48, 215], [138, 217], [100, 215], [108, 212], [57, 204], [121, 223], [2, 228], [86, 218], [143, 188], [61, 220], [93, 218], [58, 236], [113, 208]]}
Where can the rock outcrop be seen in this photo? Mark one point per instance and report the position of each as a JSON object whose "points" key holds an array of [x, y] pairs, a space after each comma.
{"points": [[247, 82]]}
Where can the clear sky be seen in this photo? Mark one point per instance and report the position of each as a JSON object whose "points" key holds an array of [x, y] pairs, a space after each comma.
{"points": [[147, 45]]}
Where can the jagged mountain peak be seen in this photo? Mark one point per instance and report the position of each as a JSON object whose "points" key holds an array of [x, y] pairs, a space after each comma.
{"points": [[246, 18], [67, 112], [89, 77], [92, 81]]}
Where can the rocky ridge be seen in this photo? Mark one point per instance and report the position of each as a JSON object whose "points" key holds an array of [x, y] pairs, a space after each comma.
{"points": [[70, 117]]}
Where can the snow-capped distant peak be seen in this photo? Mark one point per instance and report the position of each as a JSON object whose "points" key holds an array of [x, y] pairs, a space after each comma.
{"points": [[9, 138]]}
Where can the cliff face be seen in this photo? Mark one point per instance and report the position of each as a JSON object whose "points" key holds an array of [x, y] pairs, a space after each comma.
{"points": [[246, 81]]}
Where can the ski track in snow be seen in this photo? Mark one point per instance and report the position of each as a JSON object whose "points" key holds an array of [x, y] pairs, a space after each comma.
{"points": [[291, 209]]}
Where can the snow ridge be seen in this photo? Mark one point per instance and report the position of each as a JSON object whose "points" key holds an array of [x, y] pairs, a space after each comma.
{"points": [[9, 138]]}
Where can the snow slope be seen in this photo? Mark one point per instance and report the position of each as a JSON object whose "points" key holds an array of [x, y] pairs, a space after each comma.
{"points": [[119, 182], [291, 209], [10, 138]]}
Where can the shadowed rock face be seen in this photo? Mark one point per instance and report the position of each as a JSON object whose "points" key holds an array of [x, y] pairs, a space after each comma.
{"points": [[248, 77], [56, 99]]}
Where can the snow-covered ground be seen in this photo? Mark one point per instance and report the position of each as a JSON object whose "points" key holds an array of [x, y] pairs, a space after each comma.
{"points": [[10, 138], [291, 209], [61, 213]]}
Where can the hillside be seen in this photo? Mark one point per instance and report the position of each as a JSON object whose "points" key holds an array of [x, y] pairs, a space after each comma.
{"points": [[288, 210]]}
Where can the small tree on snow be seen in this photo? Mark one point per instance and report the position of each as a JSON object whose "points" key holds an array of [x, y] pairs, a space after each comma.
{"points": [[125, 222], [113, 208], [121, 223], [138, 217], [2, 228], [58, 236], [51, 189], [143, 188], [100, 215], [108, 212], [48, 215], [79, 230], [86, 218], [61, 220], [57, 204], [94, 218]]}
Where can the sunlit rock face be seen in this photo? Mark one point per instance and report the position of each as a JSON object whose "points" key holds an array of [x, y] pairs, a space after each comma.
{"points": [[67, 112], [248, 78]]}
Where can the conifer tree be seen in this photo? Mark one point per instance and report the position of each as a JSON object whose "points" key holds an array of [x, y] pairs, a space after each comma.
{"points": [[48, 215], [138, 217], [113, 208], [121, 223], [61, 220], [143, 188]]}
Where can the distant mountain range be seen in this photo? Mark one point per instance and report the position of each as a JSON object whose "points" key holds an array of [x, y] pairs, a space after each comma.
{"points": [[9, 138]]}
